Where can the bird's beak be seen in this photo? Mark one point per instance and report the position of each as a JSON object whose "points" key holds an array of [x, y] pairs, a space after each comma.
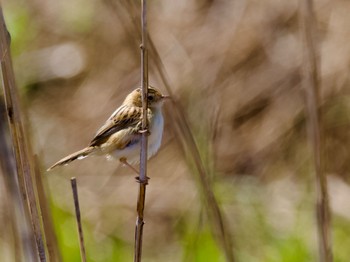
{"points": [[166, 97]]}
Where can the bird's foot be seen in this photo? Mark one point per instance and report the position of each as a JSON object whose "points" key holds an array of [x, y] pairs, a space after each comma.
{"points": [[138, 180], [145, 131]]}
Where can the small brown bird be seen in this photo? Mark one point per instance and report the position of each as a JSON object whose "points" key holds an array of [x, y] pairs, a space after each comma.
{"points": [[120, 136]]}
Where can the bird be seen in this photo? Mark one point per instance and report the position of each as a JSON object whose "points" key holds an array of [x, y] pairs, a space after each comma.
{"points": [[119, 137]]}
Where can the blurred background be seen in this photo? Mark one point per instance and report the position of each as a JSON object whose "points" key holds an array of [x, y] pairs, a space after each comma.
{"points": [[234, 67]]}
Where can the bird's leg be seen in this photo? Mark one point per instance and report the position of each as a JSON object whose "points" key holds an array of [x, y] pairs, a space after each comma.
{"points": [[125, 162]]}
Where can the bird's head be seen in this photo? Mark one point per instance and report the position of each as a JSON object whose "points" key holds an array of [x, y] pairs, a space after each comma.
{"points": [[154, 98]]}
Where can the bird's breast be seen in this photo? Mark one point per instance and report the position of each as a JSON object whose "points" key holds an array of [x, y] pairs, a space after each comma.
{"points": [[156, 130]]}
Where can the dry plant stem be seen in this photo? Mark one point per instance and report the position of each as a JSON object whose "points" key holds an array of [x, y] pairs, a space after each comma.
{"points": [[54, 254], [143, 180], [214, 211], [144, 87], [9, 184], [189, 145], [78, 218], [23, 160], [9, 230], [312, 86], [20, 226]]}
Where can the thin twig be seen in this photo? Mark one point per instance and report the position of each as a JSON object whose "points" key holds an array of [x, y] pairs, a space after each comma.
{"points": [[144, 87], [24, 162], [143, 180], [78, 218], [312, 87]]}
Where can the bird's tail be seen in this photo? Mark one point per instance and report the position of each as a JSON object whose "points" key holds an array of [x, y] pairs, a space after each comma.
{"points": [[77, 155]]}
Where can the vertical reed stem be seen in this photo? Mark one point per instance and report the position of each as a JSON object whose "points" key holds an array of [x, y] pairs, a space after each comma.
{"points": [[312, 87], [78, 218], [144, 140], [24, 161], [53, 251]]}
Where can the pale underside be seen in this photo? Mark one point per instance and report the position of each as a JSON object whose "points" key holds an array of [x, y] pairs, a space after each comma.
{"points": [[120, 135]]}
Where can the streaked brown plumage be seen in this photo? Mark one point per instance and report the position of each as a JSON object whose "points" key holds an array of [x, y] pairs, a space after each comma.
{"points": [[119, 137]]}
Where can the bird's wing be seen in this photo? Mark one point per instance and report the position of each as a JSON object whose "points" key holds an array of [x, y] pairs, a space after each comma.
{"points": [[125, 117]]}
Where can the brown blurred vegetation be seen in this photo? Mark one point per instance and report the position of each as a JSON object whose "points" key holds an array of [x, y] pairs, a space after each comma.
{"points": [[235, 67]]}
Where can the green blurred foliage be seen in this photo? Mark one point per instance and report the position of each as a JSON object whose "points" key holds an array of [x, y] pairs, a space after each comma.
{"points": [[110, 248], [21, 27], [341, 242]]}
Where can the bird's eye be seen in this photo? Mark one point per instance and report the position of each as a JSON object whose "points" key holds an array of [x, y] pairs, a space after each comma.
{"points": [[150, 98]]}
